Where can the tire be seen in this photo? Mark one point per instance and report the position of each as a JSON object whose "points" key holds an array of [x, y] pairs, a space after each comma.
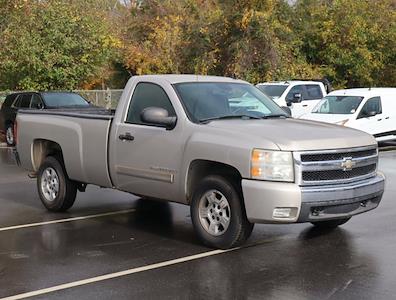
{"points": [[224, 226], [330, 223], [10, 137], [57, 192]]}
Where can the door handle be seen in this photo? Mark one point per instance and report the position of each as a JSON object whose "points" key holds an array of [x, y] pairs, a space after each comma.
{"points": [[126, 137], [305, 105], [379, 119], [387, 118]]}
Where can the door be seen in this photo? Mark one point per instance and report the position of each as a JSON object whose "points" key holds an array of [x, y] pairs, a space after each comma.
{"points": [[370, 117], [147, 157]]}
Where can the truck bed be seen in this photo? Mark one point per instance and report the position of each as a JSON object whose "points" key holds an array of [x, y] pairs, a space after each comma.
{"points": [[82, 134], [87, 113]]}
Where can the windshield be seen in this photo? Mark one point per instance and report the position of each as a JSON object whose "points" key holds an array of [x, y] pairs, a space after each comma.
{"points": [[64, 100], [344, 105], [273, 91], [211, 100]]}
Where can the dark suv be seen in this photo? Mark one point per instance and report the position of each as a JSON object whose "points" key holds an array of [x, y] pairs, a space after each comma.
{"points": [[33, 100]]}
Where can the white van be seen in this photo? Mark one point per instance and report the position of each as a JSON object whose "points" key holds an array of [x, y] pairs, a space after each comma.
{"points": [[301, 96], [372, 110]]}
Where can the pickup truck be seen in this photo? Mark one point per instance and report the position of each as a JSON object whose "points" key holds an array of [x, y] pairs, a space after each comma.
{"points": [[216, 144], [300, 96]]}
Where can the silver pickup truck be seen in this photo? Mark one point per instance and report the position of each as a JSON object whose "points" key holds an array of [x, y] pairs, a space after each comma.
{"points": [[216, 144]]}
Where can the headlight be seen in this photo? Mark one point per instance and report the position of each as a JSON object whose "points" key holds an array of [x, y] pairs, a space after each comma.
{"points": [[272, 165]]}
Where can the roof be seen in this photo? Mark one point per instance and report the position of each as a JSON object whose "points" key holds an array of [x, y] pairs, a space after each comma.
{"points": [[288, 82], [365, 92], [174, 78], [42, 92]]}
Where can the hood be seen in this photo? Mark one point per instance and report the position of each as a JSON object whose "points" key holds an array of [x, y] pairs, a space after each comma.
{"points": [[296, 134], [327, 118]]}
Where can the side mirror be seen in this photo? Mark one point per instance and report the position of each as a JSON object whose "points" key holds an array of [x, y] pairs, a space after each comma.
{"points": [[367, 114], [158, 116], [371, 113], [287, 110], [40, 105], [297, 98]]}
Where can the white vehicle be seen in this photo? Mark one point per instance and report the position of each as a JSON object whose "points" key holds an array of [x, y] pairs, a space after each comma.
{"points": [[300, 96], [372, 110]]}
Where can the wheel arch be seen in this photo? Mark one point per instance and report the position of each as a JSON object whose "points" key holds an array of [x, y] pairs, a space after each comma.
{"points": [[42, 148], [200, 168]]}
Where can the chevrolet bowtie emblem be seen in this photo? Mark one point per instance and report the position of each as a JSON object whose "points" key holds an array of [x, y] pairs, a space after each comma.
{"points": [[347, 164]]}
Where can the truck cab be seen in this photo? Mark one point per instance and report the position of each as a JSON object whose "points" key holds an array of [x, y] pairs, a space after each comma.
{"points": [[300, 96]]}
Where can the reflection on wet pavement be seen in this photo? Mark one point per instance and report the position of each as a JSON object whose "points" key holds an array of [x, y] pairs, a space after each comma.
{"points": [[298, 261]]}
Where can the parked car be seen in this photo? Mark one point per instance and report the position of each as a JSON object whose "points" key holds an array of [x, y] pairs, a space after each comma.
{"points": [[183, 138], [372, 110], [33, 100], [300, 96]]}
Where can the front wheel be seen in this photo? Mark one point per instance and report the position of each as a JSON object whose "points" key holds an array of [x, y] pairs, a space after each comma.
{"points": [[10, 138], [57, 192], [218, 213], [330, 223]]}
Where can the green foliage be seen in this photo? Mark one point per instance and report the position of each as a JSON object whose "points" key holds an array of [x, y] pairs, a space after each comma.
{"points": [[55, 44], [248, 39], [52, 44], [354, 42]]}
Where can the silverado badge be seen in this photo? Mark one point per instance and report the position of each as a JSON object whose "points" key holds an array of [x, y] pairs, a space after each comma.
{"points": [[347, 164]]}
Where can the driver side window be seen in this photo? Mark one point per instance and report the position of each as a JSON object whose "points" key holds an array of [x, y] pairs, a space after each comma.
{"points": [[297, 89], [147, 95], [373, 105]]}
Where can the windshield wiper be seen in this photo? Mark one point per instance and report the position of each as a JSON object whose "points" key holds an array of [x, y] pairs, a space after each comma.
{"points": [[274, 116], [242, 116]]}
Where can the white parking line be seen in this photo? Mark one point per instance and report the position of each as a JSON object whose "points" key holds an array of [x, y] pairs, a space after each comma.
{"points": [[115, 275], [119, 212]]}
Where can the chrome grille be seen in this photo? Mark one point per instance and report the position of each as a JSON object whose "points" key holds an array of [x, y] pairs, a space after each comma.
{"points": [[337, 156], [335, 166]]}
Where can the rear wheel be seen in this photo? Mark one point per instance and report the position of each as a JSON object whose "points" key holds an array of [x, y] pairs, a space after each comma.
{"points": [[57, 192], [10, 138], [330, 223], [218, 213]]}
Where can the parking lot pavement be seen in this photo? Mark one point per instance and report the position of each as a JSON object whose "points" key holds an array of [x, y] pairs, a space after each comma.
{"points": [[114, 245]]}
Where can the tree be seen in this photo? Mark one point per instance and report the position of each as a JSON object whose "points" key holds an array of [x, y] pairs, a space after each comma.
{"points": [[353, 42], [53, 45], [249, 39]]}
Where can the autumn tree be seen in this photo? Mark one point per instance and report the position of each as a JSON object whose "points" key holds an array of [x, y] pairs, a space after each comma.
{"points": [[53, 44], [353, 42]]}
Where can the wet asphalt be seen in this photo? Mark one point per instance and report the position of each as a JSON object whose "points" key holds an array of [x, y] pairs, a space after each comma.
{"points": [[355, 261]]}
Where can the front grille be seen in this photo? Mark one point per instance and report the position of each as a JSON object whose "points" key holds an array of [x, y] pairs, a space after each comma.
{"points": [[337, 156], [337, 174], [335, 167]]}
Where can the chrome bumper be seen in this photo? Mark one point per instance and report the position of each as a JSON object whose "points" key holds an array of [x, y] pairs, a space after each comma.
{"points": [[313, 203], [341, 201]]}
